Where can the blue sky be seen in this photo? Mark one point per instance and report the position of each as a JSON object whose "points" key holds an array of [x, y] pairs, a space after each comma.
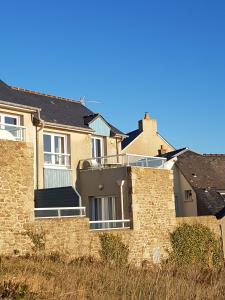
{"points": [[164, 57]]}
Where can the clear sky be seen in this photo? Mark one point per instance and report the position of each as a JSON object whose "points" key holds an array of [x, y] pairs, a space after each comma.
{"points": [[166, 57]]}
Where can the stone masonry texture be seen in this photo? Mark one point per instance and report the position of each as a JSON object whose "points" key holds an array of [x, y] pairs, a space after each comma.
{"points": [[152, 216]]}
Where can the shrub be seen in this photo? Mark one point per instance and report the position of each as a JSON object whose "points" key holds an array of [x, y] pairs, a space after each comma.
{"points": [[196, 244], [38, 240], [113, 250]]}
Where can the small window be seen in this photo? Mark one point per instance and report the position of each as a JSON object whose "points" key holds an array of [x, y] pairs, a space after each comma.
{"points": [[188, 195]]}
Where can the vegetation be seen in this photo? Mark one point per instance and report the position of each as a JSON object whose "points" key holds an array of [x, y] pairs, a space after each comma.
{"points": [[113, 250], [91, 279], [196, 244], [189, 273]]}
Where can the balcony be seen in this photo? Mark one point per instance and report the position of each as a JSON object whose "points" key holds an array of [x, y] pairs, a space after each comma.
{"points": [[109, 224], [59, 212], [12, 132], [120, 160]]}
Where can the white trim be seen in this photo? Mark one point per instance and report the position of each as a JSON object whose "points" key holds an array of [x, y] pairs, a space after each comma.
{"points": [[54, 154], [19, 107], [165, 140], [101, 145], [68, 127]]}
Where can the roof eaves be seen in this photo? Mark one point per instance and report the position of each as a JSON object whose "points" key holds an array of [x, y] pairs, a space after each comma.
{"points": [[68, 127], [20, 106], [165, 140]]}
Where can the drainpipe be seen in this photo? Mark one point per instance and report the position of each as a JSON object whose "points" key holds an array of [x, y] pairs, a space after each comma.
{"points": [[41, 123], [121, 184]]}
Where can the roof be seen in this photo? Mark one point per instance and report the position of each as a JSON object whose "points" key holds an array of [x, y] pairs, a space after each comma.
{"points": [[203, 171], [206, 175], [131, 136], [172, 154], [56, 110]]}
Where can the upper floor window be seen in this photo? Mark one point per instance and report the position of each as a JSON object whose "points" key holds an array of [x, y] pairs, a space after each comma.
{"points": [[97, 147], [55, 150], [10, 127]]}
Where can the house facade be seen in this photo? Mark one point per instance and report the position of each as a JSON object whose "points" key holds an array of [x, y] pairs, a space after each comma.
{"points": [[199, 184], [146, 140], [79, 168]]}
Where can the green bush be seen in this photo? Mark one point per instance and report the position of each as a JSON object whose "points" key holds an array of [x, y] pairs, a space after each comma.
{"points": [[113, 250], [196, 244]]}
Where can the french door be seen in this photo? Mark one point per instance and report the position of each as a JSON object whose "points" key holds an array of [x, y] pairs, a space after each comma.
{"points": [[97, 148], [102, 209]]}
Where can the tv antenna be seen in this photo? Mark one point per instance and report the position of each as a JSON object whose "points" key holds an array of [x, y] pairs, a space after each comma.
{"points": [[84, 100]]}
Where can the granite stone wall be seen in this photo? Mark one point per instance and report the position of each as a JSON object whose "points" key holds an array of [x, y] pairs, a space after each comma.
{"points": [[16, 195], [150, 192]]}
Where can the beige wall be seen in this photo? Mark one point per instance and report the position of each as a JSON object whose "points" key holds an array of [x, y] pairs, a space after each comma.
{"points": [[184, 208], [80, 144], [80, 148], [105, 183], [149, 141]]}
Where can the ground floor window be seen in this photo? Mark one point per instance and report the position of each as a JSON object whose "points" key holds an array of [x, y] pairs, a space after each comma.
{"points": [[102, 209]]}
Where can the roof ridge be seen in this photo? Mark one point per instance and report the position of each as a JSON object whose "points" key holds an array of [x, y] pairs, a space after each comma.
{"points": [[45, 95]]}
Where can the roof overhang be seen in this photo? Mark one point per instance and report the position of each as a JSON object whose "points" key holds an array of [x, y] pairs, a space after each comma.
{"points": [[19, 107], [67, 127]]}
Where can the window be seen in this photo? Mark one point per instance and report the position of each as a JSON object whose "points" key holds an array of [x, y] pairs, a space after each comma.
{"points": [[97, 147], [188, 195], [11, 123], [102, 209], [55, 150]]}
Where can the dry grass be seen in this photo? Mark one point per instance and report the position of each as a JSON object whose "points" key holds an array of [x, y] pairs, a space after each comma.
{"points": [[48, 279]]}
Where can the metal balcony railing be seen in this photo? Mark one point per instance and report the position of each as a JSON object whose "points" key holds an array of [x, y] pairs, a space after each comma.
{"points": [[122, 160], [109, 224], [59, 212], [12, 132]]}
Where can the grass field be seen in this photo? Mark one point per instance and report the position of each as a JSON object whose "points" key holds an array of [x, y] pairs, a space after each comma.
{"points": [[52, 278]]}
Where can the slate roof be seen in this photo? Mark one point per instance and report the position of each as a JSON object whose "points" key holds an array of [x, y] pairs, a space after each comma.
{"points": [[57, 110], [131, 136], [172, 154], [134, 134], [206, 175]]}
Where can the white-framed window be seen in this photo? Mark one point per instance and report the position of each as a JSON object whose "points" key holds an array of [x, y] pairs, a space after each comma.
{"points": [[188, 195], [97, 147], [55, 150], [11, 124], [102, 209]]}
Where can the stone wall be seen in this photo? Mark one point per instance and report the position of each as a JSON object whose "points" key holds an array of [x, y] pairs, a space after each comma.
{"points": [[210, 221], [150, 192], [16, 194]]}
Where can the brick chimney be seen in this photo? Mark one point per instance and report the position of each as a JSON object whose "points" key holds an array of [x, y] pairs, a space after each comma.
{"points": [[162, 150], [148, 124]]}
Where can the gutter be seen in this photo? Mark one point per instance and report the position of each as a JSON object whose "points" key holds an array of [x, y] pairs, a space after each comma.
{"points": [[19, 106], [68, 127]]}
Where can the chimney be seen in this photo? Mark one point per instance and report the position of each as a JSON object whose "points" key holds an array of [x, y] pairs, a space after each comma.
{"points": [[162, 150], [148, 124]]}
